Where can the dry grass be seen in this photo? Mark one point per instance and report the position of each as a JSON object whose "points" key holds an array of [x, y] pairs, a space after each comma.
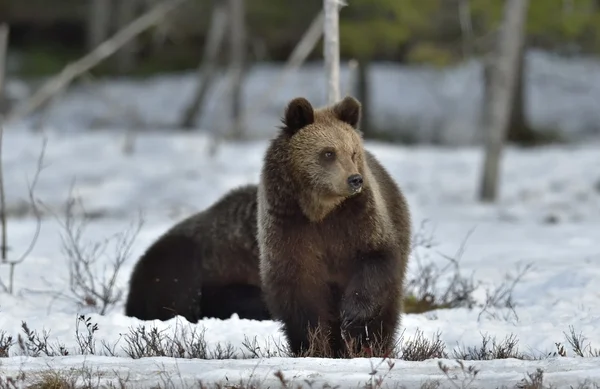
{"points": [[148, 341]]}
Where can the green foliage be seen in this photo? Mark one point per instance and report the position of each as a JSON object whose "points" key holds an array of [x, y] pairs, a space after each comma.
{"points": [[418, 31], [44, 61], [550, 22], [280, 24], [412, 304], [369, 26], [431, 54]]}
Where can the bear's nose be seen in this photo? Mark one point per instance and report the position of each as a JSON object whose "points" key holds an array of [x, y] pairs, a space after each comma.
{"points": [[355, 181]]}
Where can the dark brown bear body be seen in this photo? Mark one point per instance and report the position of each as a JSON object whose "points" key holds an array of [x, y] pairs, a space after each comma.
{"points": [[204, 266], [333, 232]]}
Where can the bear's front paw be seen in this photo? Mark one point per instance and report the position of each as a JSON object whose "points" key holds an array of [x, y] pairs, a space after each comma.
{"points": [[357, 311]]}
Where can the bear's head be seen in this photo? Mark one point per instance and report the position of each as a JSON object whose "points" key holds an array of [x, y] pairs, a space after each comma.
{"points": [[325, 153]]}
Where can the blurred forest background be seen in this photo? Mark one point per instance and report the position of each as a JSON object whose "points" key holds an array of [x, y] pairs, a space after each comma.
{"points": [[427, 35]]}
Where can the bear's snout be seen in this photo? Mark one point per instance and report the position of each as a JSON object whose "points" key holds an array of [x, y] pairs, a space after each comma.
{"points": [[355, 182]]}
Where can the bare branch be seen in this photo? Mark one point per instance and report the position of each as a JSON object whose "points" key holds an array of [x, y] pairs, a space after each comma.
{"points": [[38, 220], [36, 212], [90, 286], [100, 53]]}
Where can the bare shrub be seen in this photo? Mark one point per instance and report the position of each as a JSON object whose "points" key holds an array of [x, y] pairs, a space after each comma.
{"points": [[469, 374], [90, 286], [578, 344], [86, 341], [256, 351], [35, 345], [423, 289], [532, 381], [560, 351], [419, 348], [6, 342], [13, 262], [377, 381], [434, 287], [491, 349], [501, 296], [142, 343]]}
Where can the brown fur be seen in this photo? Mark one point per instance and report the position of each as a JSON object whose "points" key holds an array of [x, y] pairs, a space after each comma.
{"points": [[330, 256], [204, 266]]}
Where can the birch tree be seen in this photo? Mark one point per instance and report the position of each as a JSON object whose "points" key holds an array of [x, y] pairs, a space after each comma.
{"points": [[237, 56], [331, 49], [3, 51], [503, 77]]}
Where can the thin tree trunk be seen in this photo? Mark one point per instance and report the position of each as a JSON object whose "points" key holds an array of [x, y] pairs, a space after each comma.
{"points": [[99, 12], [331, 50], [237, 57], [296, 59], [3, 51], [466, 27], [362, 93], [125, 57], [519, 131], [207, 69], [503, 79]]}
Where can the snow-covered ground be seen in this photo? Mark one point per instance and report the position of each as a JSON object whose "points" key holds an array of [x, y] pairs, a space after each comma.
{"points": [[548, 215]]}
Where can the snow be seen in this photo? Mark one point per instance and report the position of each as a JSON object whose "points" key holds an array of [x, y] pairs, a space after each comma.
{"points": [[548, 217], [419, 103], [348, 374]]}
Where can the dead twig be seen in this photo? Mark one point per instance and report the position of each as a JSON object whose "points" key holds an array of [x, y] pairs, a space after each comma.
{"points": [[38, 218], [89, 286]]}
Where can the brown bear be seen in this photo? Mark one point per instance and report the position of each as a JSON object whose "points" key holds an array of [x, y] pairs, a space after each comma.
{"points": [[204, 266], [334, 234]]}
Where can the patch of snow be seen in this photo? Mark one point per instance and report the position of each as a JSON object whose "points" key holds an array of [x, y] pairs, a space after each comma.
{"points": [[311, 372], [424, 104]]}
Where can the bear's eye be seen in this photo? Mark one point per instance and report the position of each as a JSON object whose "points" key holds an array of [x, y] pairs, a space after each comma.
{"points": [[329, 154], [354, 155]]}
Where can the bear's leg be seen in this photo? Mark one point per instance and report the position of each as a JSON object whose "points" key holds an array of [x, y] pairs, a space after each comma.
{"points": [[222, 301], [306, 317], [336, 342], [385, 330], [166, 281], [375, 339], [371, 293], [307, 336]]}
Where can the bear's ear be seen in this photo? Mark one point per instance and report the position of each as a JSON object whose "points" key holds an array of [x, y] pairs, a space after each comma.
{"points": [[299, 113], [348, 110]]}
